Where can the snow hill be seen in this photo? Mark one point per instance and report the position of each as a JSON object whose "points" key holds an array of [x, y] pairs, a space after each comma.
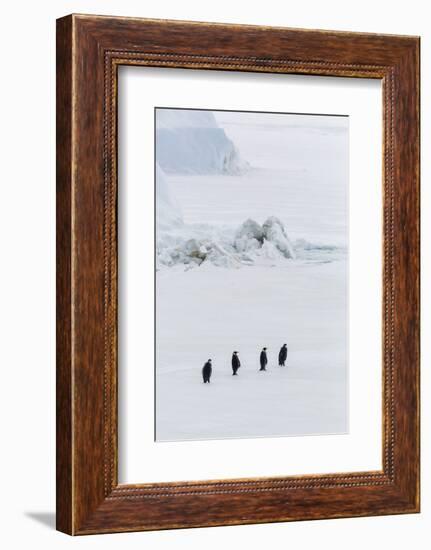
{"points": [[191, 142]]}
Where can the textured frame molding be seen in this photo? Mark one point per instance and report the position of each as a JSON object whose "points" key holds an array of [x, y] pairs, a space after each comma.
{"points": [[90, 49]]}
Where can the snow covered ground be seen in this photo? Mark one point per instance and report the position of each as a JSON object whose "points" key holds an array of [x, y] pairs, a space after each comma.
{"points": [[210, 314], [207, 308]]}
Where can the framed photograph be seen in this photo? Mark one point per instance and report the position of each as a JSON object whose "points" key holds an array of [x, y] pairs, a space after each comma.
{"points": [[237, 274]]}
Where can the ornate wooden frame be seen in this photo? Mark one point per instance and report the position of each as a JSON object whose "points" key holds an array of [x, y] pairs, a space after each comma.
{"points": [[89, 51]]}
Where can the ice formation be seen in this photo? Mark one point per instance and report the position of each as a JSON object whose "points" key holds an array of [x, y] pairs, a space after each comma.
{"points": [[191, 142], [249, 236], [275, 233], [197, 244], [229, 246]]}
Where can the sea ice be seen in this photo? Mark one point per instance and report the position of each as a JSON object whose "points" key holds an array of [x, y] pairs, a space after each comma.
{"points": [[284, 223]]}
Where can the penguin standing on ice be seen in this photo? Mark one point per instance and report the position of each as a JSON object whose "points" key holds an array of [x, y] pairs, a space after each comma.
{"points": [[263, 359], [236, 363], [207, 371], [282, 356]]}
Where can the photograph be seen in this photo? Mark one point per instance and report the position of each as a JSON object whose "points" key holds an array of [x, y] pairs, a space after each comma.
{"points": [[251, 274]]}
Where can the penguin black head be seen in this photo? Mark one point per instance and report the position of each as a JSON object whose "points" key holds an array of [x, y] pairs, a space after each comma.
{"points": [[264, 349], [235, 352], [209, 360], [284, 345]]}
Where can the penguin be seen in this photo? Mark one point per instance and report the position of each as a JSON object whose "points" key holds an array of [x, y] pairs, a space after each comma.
{"points": [[236, 363], [282, 356], [207, 371], [263, 359]]}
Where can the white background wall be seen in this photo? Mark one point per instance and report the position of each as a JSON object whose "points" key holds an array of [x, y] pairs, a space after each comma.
{"points": [[27, 239]]}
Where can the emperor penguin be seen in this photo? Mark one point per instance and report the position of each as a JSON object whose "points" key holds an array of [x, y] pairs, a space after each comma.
{"points": [[236, 363], [207, 371], [282, 356], [263, 359]]}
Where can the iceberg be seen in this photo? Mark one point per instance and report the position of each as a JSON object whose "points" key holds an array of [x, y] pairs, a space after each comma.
{"points": [[190, 141]]}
